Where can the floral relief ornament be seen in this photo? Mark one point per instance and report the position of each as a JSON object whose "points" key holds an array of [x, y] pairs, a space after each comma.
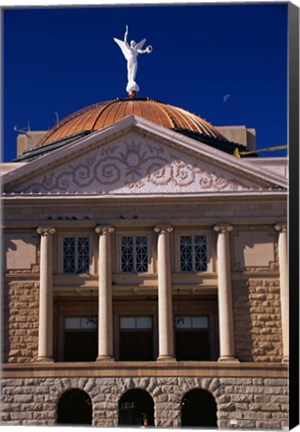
{"points": [[133, 164]]}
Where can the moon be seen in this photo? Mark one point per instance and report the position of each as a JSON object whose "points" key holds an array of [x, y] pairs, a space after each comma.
{"points": [[226, 97]]}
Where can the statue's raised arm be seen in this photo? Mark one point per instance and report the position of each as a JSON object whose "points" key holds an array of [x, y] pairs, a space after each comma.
{"points": [[130, 53]]}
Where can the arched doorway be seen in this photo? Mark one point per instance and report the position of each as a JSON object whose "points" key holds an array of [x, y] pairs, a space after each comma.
{"points": [[135, 406], [198, 408], [74, 408]]}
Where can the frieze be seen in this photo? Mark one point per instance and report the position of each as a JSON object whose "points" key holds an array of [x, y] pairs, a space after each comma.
{"points": [[135, 165]]}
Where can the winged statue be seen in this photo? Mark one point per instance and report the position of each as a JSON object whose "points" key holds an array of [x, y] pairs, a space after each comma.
{"points": [[131, 52]]}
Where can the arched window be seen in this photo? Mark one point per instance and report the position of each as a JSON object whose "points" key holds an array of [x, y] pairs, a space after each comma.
{"points": [[198, 409], [136, 406], [74, 408]]}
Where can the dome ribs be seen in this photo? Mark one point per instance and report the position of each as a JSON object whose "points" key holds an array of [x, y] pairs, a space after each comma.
{"points": [[148, 112], [100, 122], [51, 133], [166, 120], [180, 120], [100, 115], [122, 110], [76, 125]]}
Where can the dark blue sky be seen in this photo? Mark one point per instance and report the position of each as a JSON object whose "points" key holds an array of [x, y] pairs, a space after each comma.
{"points": [[63, 59]]}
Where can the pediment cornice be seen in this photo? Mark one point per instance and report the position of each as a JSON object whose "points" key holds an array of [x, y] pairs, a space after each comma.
{"points": [[106, 141]]}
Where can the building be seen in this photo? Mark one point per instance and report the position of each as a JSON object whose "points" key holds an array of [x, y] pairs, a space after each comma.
{"points": [[145, 274]]}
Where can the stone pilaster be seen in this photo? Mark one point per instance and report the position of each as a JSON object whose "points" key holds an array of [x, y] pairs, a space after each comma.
{"points": [[165, 313], [45, 347], [284, 287], [105, 319], [226, 330]]}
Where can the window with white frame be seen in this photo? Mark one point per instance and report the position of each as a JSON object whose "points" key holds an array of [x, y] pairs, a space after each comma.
{"points": [[134, 254], [76, 254], [193, 253]]}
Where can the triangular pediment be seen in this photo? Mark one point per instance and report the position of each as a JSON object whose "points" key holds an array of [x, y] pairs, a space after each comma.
{"points": [[136, 157]]}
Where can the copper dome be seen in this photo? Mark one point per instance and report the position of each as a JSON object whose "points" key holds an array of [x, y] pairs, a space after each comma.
{"points": [[100, 115]]}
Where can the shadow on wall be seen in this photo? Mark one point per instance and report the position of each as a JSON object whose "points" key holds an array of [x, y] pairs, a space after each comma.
{"points": [[242, 321], [20, 251], [253, 249], [6, 312]]}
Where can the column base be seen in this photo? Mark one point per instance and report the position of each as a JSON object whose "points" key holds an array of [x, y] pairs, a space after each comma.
{"points": [[285, 360], [166, 358], [44, 360], [105, 358], [228, 359]]}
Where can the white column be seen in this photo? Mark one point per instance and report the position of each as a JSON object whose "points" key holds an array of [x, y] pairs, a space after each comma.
{"points": [[165, 314], [45, 348], [284, 287], [226, 329], [105, 327]]}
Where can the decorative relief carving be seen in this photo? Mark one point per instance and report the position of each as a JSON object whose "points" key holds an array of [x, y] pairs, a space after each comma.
{"points": [[163, 229], [282, 228], [133, 166], [224, 228], [104, 230], [45, 231]]}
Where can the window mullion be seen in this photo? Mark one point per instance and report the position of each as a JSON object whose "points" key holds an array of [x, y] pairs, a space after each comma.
{"points": [[134, 254], [193, 254]]}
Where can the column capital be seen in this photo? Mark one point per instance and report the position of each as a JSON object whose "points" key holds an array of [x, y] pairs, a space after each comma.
{"points": [[163, 228], [45, 231], [223, 228], [281, 227], [104, 230]]}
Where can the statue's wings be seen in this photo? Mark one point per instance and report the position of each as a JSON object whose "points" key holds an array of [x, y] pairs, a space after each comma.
{"points": [[122, 45], [140, 44]]}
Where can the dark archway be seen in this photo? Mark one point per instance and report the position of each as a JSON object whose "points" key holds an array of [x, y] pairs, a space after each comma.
{"points": [[198, 408], [135, 406], [74, 408]]}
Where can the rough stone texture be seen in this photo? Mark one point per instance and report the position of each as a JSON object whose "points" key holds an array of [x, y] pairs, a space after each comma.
{"points": [[249, 402], [21, 321], [257, 320]]}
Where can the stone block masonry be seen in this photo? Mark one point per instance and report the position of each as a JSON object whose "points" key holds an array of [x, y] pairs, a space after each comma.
{"points": [[257, 320], [251, 403], [21, 321]]}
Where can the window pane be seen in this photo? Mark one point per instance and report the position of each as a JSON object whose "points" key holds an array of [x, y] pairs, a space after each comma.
{"points": [[183, 322], [127, 323], [72, 323], [134, 254], [88, 323], [141, 253], [144, 322], [127, 254], [83, 254], [200, 253], [200, 322], [186, 257], [69, 255], [193, 253]]}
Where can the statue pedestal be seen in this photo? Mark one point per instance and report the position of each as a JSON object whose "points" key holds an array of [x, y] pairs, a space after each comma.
{"points": [[132, 88]]}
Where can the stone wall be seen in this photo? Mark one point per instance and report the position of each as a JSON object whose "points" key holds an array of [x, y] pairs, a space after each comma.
{"points": [[260, 403], [257, 320], [21, 321]]}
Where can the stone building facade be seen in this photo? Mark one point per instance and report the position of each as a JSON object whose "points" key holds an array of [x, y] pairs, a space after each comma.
{"points": [[145, 276]]}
